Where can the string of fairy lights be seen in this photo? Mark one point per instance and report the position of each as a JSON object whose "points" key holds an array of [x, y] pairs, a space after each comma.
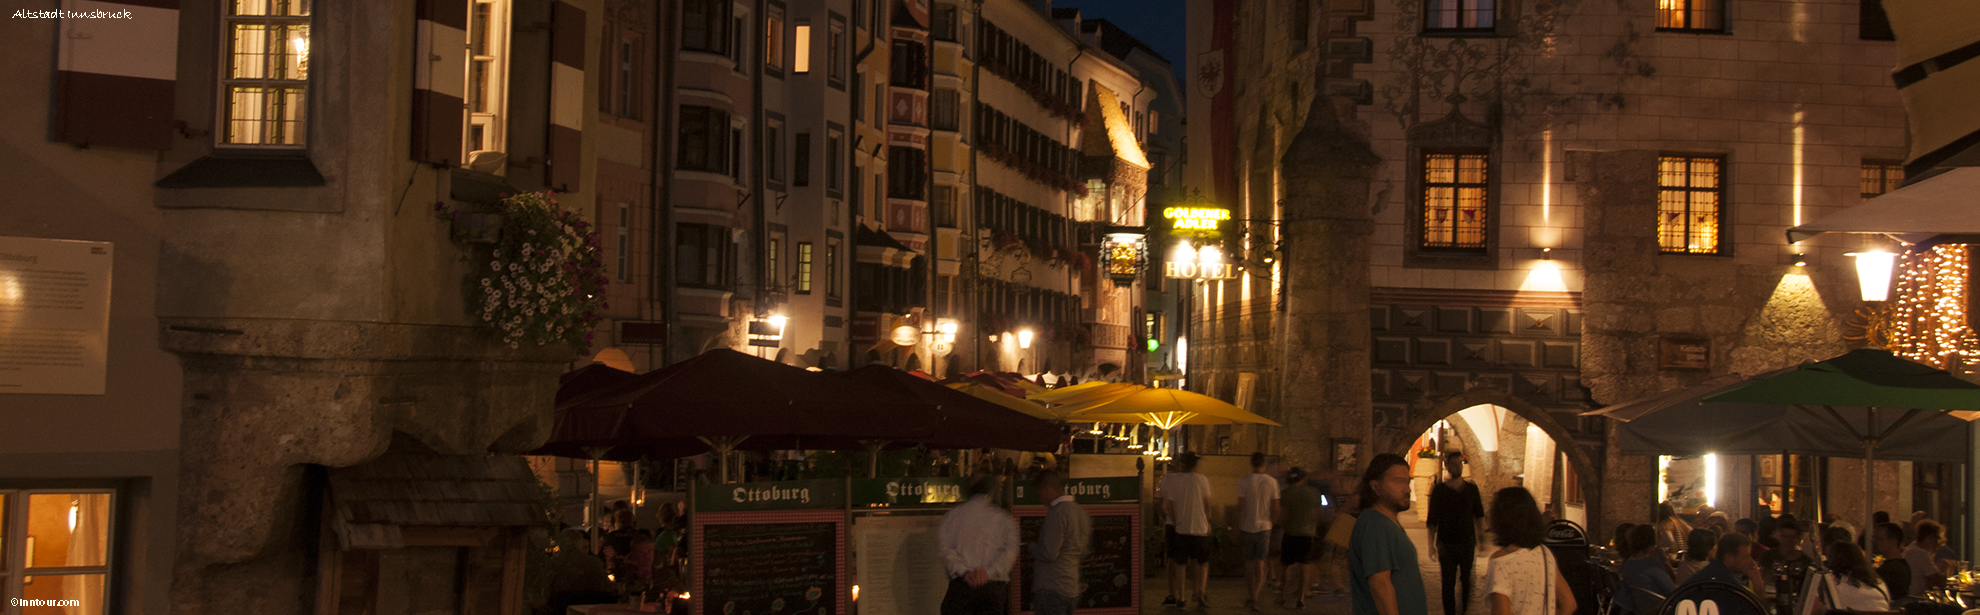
{"points": [[1926, 321]]}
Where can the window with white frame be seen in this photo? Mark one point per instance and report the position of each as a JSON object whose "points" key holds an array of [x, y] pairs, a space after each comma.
{"points": [[487, 80], [265, 75], [804, 267], [57, 545]]}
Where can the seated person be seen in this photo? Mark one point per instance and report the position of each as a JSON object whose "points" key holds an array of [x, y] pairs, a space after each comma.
{"points": [[1888, 542], [1928, 571], [1733, 563], [1697, 553], [1787, 565], [1851, 585], [1643, 569]]}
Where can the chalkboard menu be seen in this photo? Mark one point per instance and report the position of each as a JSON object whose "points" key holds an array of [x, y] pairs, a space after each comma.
{"points": [[770, 569], [1106, 577]]}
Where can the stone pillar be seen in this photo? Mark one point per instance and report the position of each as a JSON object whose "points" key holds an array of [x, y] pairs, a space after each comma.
{"points": [[1323, 379]]}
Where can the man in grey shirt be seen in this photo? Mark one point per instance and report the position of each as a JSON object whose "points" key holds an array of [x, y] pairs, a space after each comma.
{"points": [[1062, 542]]}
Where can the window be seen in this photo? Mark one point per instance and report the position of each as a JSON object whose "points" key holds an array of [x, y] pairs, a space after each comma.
{"points": [[1692, 15], [804, 268], [910, 65], [834, 174], [773, 42], [944, 204], [945, 22], [907, 169], [835, 54], [62, 539], [628, 78], [942, 105], [1689, 193], [704, 26], [773, 265], [1462, 15], [618, 88], [801, 45], [801, 160], [624, 256], [879, 104], [832, 268], [487, 80], [1302, 21], [1872, 23], [704, 147], [1881, 176], [1454, 200], [773, 151], [266, 81], [701, 255], [739, 43], [736, 150]]}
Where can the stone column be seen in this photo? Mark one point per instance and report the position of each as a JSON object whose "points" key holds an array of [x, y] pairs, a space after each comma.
{"points": [[1323, 379]]}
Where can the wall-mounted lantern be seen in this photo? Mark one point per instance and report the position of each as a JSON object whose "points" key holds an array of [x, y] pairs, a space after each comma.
{"points": [[1124, 254]]}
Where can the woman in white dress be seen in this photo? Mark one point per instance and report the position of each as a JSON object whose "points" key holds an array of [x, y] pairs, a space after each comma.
{"points": [[1522, 578], [1852, 585]]}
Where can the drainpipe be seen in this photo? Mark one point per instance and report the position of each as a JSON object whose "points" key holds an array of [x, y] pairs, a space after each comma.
{"points": [[976, 332], [1079, 160], [661, 239]]}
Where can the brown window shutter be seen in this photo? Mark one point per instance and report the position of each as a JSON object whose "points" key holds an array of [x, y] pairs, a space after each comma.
{"points": [[114, 76], [566, 143], [439, 80]]}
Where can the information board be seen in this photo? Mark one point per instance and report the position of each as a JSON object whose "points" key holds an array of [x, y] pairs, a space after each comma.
{"points": [[54, 315], [792, 566], [899, 567], [1109, 577]]}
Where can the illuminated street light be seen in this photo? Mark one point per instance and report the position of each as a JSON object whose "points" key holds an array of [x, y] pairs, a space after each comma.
{"points": [[1873, 273], [1024, 338]]}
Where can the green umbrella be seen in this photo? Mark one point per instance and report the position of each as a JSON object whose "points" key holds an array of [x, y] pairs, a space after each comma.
{"points": [[1870, 378]]}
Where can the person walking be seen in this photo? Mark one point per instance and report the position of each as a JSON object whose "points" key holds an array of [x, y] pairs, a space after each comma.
{"points": [[1455, 519], [1299, 507], [1384, 576], [1258, 505], [1186, 503], [978, 548], [1521, 577], [1063, 541]]}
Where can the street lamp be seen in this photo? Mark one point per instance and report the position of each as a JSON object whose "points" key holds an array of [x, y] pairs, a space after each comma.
{"points": [[1024, 338], [1873, 273]]}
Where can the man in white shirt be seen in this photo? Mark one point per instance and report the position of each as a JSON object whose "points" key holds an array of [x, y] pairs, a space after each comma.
{"points": [[979, 542], [1258, 506], [1186, 504], [1928, 572]]}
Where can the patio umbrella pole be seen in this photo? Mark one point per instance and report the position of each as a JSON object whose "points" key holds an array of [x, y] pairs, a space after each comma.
{"points": [[873, 456], [721, 446]]}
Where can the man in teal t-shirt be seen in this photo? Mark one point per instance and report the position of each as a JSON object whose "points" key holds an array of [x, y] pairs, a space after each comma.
{"points": [[1384, 575]]}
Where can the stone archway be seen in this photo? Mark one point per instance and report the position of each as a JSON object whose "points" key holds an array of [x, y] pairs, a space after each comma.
{"points": [[1587, 474]]}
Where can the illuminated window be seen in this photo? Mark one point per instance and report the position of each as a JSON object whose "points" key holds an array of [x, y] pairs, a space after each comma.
{"points": [[1689, 198], [1693, 15], [487, 80], [1454, 201], [804, 268], [801, 45], [62, 541], [773, 265], [266, 77], [1458, 16], [1881, 176]]}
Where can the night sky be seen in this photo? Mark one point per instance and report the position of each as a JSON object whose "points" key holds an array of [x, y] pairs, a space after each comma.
{"points": [[1156, 22]]}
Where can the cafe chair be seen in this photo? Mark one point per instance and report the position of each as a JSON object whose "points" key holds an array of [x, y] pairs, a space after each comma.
{"points": [[1729, 598]]}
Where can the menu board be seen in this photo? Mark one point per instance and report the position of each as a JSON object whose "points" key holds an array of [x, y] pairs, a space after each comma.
{"points": [[1107, 576], [900, 568], [769, 569]]}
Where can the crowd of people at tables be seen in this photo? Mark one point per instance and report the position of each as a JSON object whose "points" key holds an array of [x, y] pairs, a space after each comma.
{"points": [[626, 562], [1898, 565]]}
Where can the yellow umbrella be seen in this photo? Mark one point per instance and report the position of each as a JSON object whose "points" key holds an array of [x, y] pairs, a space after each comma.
{"points": [[1165, 409], [1004, 399], [1069, 397]]}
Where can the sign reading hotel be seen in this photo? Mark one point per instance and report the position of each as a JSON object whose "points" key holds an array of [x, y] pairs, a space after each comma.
{"points": [[54, 315]]}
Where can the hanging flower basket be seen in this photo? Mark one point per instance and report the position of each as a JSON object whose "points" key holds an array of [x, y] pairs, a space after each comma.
{"points": [[542, 281]]}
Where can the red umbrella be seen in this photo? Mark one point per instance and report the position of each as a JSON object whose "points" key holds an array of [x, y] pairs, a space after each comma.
{"points": [[586, 382], [729, 400], [967, 421]]}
